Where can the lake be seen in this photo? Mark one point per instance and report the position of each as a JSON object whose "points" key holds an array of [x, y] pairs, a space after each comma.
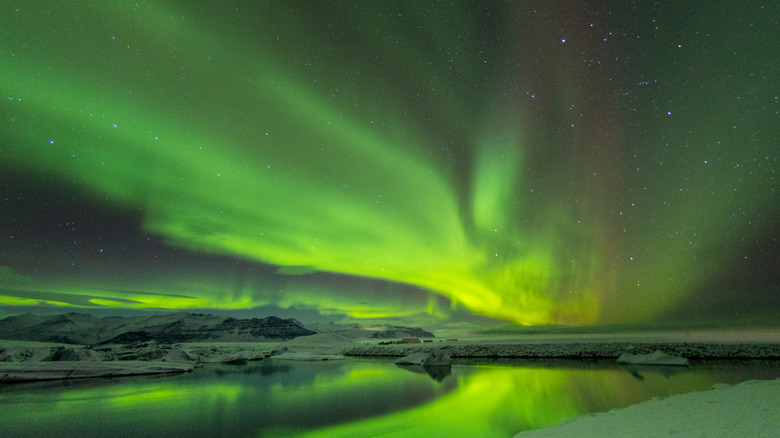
{"points": [[352, 398]]}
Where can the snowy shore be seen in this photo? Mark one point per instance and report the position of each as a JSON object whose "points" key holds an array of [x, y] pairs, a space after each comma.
{"points": [[22, 361], [748, 409]]}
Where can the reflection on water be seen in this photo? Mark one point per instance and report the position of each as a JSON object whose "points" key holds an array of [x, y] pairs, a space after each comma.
{"points": [[357, 397], [437, 372]]}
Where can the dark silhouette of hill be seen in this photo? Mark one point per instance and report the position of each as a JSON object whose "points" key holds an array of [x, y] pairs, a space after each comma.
{"points": [[77, 328]]}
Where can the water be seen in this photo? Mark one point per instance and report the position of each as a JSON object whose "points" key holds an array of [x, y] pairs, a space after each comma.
{"points": [[352, 398]]}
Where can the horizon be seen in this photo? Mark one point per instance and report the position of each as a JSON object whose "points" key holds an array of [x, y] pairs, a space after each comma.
{"points": [[500, 330]]}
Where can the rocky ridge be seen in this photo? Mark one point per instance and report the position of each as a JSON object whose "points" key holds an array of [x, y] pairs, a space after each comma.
{"points": [[595, 350]]}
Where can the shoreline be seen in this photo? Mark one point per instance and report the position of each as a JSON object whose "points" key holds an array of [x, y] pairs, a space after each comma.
{"points": [[577, 350], [23, 361], [31, 361]]}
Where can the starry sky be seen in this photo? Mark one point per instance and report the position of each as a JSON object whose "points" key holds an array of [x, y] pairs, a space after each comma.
{"points": [[467, 162]]}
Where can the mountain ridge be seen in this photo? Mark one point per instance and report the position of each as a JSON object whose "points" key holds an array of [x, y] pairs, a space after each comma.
{"points": [[84, 329]]}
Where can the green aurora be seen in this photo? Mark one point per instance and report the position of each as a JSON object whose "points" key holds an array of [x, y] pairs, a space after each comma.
{"points": [[537, 163]]}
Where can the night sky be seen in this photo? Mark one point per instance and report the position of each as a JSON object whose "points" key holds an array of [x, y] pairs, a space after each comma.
{"points": [[416, 161]]}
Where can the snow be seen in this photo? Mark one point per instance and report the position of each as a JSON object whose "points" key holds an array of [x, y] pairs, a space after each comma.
{"points": [[749, 409]]}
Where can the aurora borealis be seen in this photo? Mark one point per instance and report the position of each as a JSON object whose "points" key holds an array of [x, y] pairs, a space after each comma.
{"points": [[534, 162]]}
